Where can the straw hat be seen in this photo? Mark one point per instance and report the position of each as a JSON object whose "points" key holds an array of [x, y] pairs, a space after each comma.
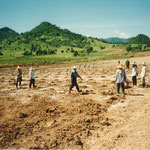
{"points": [[31, 68], [144, 64], [120, 66], [74, 67], [18, 67]]}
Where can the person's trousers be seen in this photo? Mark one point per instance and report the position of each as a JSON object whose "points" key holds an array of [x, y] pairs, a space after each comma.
{"points": [[143, 81], [19, 79], [32, 81], [134, 80], [76, 85], [118, 87]]}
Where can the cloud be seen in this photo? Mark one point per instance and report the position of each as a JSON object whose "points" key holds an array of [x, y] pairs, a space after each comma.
{"points": [[121, 34]]}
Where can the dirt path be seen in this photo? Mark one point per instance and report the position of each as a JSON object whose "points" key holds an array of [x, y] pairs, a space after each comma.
{"points": [[48, 117]]}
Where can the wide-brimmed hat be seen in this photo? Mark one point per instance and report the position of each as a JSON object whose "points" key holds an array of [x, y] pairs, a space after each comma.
{"points": [[120, 66], [143, 63], [31, 68], [18, 67], [74, 67]]}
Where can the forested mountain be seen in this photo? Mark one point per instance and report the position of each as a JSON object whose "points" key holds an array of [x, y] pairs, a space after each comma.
{"points": [[7, 33], [117, 40], [140, 39], [46, 39], [54, 36], [49, 39]]}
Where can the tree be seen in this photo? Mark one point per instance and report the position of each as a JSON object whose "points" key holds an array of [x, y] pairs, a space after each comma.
{"points": [[128, 49], [1, 54], [72, 50], [27, 53], [76, 53], [89, 50], [102, 47], [38, 52], [44, 52]]}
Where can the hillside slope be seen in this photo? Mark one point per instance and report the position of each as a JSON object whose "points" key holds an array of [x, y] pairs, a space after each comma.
{"points": [[7, 33]]}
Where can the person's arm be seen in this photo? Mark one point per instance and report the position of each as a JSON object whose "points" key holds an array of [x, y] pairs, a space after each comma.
{"points": [[30, 74], [71, 78], [80, 77], [125, 78], [20, 73], [117, 74]]}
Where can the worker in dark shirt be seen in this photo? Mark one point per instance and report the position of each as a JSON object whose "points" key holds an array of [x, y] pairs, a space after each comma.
{"points": [[74, 75], [19, 76]]}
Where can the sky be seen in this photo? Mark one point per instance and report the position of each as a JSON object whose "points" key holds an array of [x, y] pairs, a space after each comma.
{"points": [[95, 18]]}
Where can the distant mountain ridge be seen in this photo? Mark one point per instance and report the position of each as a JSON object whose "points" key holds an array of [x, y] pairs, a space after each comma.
{"points": [[117, 40], [55, 36], [7, 33]]}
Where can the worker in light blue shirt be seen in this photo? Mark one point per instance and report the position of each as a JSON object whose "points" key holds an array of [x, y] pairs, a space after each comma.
{"points": [[32, 80]]}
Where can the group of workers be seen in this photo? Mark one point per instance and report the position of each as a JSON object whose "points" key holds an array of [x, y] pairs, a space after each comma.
{"points": [[19, 77], [121, 78]]}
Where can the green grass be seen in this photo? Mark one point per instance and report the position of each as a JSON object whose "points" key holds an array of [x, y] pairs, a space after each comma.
{"points": [[17, 58]]}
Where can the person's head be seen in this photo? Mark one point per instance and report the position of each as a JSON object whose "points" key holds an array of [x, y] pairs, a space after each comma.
{"points": [[74, 68]]}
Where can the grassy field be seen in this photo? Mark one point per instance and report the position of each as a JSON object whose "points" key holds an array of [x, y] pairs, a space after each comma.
{"points": [[16, 57], [111, 51]]}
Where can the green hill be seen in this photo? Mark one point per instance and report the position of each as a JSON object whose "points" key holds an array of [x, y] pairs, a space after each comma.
{"points": [[49, 39], [140, 39], [7, 33], [47, 33], [49, 43]]}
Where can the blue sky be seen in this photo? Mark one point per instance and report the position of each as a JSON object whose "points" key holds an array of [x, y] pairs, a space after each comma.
{"points": [[97, 18]]}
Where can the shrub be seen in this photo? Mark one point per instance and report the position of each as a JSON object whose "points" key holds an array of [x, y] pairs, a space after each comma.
{"points": [[102, 47], [89, 50], [44, 52], [52, 51], [76, 53], [27, 53], [62, 51], [128, 48], [1, 54]]}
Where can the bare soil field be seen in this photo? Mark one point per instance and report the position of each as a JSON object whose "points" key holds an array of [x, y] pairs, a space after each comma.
{"points": [[48, 117]]}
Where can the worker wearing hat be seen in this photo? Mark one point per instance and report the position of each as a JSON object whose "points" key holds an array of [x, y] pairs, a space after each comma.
{"points": [[32, 80], [74, 75], [143, 74], [120, 78], [134, 74], [19, 77]]}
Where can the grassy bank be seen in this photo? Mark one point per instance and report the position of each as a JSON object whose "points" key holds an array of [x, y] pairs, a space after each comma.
{"points": [[49, 59]]}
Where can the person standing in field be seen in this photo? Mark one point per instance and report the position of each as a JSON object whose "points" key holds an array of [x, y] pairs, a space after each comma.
{"points": [[32, 78], [143, 74], [19, 77], [74, 76], [120, 79], [134, 74], [127, 64]]}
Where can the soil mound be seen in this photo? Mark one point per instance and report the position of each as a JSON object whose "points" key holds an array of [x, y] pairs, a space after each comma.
{"points": [[50, 124]]}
